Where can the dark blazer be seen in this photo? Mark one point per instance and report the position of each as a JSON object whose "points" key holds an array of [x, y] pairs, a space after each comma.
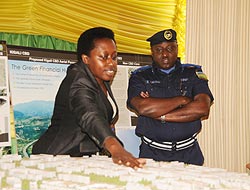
{"points": [[81, 118]]}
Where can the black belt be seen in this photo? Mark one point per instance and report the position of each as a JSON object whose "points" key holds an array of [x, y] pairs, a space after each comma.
{"points": [[171, 146]]}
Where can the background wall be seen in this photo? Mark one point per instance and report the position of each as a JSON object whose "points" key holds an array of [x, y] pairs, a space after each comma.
{"points": [[217, 37], [133, 21]]}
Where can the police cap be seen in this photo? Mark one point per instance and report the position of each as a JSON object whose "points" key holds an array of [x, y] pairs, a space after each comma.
{"points": [[168, 35]]}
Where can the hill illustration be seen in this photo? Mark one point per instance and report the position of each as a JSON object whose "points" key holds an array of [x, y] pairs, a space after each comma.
{"points": [[34, 108]]}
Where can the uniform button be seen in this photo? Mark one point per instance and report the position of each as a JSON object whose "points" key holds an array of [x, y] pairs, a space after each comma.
{"points": [[173, 128]]}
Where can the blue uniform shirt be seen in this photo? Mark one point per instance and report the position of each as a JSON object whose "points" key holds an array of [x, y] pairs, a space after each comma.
{"points": [[182, 81]]}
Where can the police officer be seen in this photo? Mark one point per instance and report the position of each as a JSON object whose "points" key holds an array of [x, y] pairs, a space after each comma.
{"points": [[171, 99]]}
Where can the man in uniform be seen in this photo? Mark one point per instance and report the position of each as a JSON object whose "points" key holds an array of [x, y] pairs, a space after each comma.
{"points": [[171, 99]]}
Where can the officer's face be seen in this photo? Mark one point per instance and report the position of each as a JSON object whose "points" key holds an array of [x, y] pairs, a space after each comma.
{"points": [[165, 54]]}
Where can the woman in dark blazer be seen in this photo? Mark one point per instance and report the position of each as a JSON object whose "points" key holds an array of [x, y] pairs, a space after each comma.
{"points": [[83, 118]]}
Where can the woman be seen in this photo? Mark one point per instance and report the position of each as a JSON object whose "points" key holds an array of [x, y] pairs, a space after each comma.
{"points": [[83, 117]]}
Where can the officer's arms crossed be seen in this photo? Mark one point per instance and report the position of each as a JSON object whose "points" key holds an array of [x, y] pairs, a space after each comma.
{"points": [[197, 109], [175, 109], [156, 107]]}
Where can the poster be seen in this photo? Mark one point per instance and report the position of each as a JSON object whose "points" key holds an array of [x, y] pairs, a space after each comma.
{"points": [[35, 75]]}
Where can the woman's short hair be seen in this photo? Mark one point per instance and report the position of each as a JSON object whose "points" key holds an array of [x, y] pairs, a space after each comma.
{"points": [[86, 41]]}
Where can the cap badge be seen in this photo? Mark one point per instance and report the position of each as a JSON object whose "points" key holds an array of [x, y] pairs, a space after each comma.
{"points": [[168, 35]]}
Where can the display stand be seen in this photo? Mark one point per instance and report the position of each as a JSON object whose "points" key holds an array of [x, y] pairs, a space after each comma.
{"points": [[5, 101]]}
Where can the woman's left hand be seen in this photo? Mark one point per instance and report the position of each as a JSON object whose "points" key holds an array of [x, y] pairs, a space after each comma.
{"points": [[121, 156]]}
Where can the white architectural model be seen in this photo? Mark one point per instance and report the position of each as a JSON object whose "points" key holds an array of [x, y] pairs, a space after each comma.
{"points": [[48, 172]]}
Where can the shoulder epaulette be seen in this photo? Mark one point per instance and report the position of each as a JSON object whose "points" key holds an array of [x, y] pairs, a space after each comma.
{"points": [[189, 65], [143, 68], [198, 70]]}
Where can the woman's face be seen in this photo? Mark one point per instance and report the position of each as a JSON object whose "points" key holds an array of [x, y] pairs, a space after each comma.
{"points": [[102, 60]]}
